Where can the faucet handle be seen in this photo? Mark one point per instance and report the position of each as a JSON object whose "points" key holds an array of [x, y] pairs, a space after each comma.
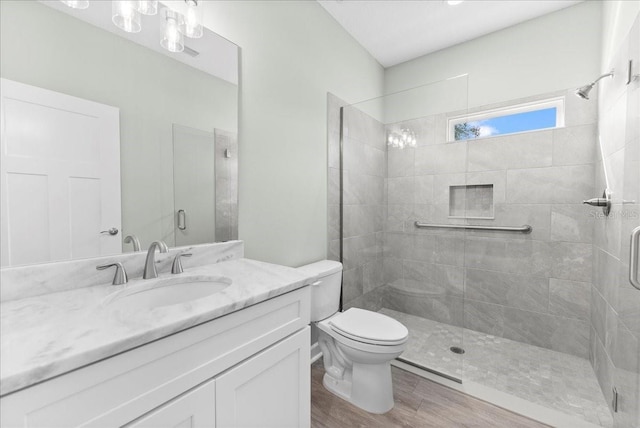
{"points": [[121, 275], [177, 264], [596, 202]]}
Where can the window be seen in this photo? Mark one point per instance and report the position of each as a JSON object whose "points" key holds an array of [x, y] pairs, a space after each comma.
{"points": [[508, 120]]}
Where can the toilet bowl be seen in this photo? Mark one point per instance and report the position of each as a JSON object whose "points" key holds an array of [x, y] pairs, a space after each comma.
{"points": [[357, 345], [358, 364]]}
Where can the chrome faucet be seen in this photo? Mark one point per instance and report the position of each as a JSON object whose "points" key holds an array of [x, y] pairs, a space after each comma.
{"points": [[133, 239], [150, 263]]}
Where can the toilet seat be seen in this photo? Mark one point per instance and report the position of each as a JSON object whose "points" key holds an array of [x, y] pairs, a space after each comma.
{"points": [[369, 327]]}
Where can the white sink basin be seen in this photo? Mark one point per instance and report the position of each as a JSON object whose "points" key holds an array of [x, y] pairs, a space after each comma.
{"points": [[150, 294]]}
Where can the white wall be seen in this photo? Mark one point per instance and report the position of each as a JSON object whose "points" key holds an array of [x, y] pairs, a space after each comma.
{"points": [[617, 18], [293, 53], [549, 53]]}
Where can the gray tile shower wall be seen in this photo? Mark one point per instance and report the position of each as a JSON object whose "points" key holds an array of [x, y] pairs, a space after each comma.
{"points": [[615, 304], [364, 165], [533, 288], [226, 170]]}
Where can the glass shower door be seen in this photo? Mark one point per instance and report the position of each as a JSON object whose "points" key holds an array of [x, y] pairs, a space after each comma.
{"points": [[400, 258], [626, 354]]}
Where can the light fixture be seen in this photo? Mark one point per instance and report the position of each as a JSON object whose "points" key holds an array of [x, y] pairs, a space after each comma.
{"points": [[406, 138], [172, 39], [76, 4], [454, 2], [126, 15], [148, 7], [191, 26]]}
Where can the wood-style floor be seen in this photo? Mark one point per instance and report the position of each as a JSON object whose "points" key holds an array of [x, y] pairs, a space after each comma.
{"points": [[419, 403]]}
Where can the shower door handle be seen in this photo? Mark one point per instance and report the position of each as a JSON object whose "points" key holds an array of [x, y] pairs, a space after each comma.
{"points": [[182, 220], [633, 258]]}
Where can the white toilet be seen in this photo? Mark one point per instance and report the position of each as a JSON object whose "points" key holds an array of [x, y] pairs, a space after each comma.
{"points": [[357, 345]]}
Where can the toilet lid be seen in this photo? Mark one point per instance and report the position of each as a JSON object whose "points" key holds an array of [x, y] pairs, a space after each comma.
{"points": [[369, 327]]}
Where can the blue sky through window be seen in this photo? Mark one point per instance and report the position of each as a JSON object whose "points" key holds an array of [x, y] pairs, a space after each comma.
{"points": [[512, 123]]}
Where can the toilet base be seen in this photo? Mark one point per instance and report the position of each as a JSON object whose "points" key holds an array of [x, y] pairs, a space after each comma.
{"points": [[369, 387]]}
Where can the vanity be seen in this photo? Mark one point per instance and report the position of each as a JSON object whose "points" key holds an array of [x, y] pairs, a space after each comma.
{"points": [[79, 356]]}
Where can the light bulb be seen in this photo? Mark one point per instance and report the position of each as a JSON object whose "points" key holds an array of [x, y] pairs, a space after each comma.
{"points": [[172, 39], [192, 24], [126, 15], [76, 4], [148, 7]]}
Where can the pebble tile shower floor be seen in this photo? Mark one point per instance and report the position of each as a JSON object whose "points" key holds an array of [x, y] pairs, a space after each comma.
{"points": [[552, 379]]}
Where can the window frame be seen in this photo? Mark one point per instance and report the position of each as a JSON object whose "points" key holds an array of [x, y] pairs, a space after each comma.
{"points": [[557, 102]]}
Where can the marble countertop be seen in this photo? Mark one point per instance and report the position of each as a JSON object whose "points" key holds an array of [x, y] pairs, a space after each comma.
{"points": [[51, 334]]}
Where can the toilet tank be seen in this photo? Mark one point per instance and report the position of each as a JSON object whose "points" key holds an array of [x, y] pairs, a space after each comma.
{"points": [[325, 291]]}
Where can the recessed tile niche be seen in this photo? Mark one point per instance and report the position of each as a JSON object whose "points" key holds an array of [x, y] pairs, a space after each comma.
{"points": [[471, 201]]}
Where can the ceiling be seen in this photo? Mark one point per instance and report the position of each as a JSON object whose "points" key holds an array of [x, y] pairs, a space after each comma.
{"points": [[395, 31]]}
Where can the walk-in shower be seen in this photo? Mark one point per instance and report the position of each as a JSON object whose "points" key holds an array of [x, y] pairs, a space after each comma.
{"points": [[477, 239]]}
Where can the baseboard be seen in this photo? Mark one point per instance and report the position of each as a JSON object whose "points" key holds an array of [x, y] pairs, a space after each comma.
{"points": [[504, 400], [316, 353]]}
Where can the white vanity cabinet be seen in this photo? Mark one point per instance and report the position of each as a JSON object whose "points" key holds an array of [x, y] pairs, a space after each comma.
{"points": [[249, 368], [195, 408], [266, 391]]}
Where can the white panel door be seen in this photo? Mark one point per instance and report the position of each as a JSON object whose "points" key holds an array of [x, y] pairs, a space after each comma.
{"points": [[194, 409], [59, 176], [194, 184], [270, 390]]}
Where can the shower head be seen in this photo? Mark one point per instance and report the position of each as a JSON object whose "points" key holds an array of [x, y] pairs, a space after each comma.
{"points": [[583, 91]]}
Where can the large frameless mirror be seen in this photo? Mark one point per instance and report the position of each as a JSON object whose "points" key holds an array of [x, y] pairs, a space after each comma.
{"points": [[114, 130]]}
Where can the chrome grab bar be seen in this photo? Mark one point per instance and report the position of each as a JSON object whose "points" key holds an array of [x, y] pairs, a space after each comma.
{"points": [[633, 258], [522, 229]]}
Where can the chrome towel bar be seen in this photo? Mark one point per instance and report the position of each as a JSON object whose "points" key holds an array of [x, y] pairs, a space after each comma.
{"points": [[522, 229]]}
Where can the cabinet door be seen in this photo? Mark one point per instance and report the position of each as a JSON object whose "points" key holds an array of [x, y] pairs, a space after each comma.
{"points": [[271, 389], [194, 408]]}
